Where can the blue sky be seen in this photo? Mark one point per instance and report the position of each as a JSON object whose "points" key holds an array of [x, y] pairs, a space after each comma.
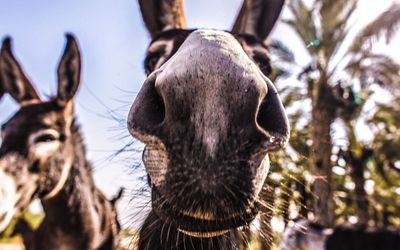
{"points": [[113, 42]]}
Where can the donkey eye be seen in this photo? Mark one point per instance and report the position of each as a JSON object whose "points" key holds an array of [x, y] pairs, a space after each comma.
{"points": [[263, 62], [151, 61], [45, 138], [46, 135]]}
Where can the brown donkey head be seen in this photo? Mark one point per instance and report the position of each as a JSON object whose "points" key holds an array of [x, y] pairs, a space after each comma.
{"points": [[37, 147], [208, 115]]}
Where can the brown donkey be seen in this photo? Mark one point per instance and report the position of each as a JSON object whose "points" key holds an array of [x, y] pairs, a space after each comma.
{"points": [[208, 116], [42, 155]]}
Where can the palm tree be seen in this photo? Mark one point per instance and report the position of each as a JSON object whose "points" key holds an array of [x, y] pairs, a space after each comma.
{"points": [[323, 28], [357, 156], [379, 158]]}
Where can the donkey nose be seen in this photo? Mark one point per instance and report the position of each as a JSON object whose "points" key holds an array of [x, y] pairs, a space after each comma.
{"points": [[207, 92], [147, 117]]}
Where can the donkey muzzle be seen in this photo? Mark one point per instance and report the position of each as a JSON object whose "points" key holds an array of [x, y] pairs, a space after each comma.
{"points": [[208, 118]]}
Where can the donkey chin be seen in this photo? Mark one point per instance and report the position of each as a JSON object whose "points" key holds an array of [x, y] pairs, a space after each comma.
{"points": [[14, 193], [209, 201]]}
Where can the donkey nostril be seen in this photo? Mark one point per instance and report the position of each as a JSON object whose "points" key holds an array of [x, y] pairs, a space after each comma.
{"points": [[272, 118], [157, 110], [148, 110]]}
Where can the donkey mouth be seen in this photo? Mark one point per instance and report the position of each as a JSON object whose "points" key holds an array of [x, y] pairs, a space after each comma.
{"points": [[203, 225], [203, 234]]}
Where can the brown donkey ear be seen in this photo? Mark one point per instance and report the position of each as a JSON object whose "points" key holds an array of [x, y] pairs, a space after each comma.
{"points": [[161, 15], [69, 71], [258, 17], [13, 80]]}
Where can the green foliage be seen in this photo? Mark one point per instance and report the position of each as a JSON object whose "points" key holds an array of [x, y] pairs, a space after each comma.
{"points": [[33, 220], [322, 27]]}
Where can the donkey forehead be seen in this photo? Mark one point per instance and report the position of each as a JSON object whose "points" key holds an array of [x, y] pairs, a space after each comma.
{"points": [[220, 42], [35, 116]]}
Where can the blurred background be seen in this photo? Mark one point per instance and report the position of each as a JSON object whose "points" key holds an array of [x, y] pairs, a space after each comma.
{"points": [[343, 52]]}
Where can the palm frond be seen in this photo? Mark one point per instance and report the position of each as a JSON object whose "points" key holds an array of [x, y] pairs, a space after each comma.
{"points": [[386, 25], [295, 96], [378, 69], [335, 17], [280, 50], [303, 22]]}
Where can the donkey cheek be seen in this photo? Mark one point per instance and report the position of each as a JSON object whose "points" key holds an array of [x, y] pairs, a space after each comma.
{"points": [[44, 150]]}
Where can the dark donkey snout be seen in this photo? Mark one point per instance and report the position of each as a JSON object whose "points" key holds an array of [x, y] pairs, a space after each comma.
{"points": [[208, 114], [150, 119], [207, 93], [208, 117]]}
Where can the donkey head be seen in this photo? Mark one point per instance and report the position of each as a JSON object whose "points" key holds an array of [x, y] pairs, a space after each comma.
{"points": [[37, 146], [208, 116]]}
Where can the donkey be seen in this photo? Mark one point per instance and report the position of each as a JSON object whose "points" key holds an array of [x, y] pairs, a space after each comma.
{"points": [[42, 155], [208, 117]]}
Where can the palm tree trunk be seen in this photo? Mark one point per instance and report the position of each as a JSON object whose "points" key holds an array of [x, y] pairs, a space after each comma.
{"points": [[357, 176], [385, 217], [357, 157], [322, 119]]}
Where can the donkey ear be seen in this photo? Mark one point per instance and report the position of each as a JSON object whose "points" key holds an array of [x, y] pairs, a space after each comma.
{"points": [[161, 15], [13, 80], [69, 71], [258, 17]]}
